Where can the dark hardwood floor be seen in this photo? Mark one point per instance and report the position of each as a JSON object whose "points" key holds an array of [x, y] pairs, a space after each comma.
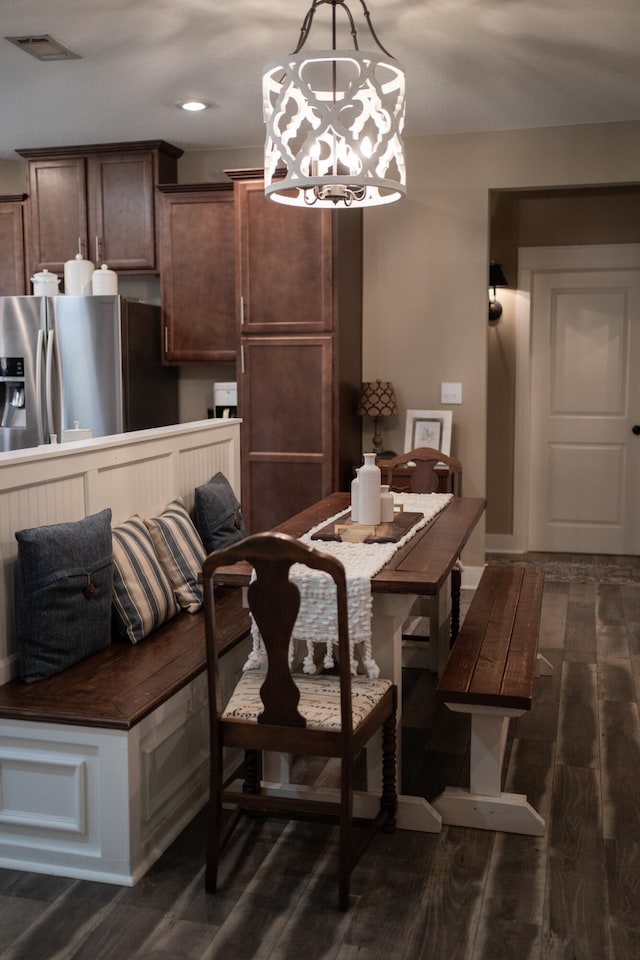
{"points": [[464, 894]]}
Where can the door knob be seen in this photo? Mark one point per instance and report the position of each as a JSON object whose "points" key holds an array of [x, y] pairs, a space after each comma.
{"points": [[635, 429]]}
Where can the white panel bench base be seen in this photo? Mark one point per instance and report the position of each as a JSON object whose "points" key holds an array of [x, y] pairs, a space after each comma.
{"points": [[102, 804]]}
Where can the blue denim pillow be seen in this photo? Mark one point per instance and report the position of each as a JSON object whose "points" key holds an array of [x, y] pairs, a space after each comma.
{"points": [[63, 598], [218, 515]]}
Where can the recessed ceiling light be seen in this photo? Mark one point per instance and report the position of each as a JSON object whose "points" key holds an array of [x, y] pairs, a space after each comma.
{"points": [[193, 105]]}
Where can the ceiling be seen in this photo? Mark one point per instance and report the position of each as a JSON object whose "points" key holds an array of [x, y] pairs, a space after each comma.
{"points": [[471, 65]]}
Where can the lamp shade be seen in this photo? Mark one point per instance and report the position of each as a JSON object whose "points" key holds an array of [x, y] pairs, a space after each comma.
{"points": [[496, 276], [377, 399]]}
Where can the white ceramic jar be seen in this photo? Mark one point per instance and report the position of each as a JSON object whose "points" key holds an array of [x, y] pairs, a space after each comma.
{"points": [[369, 491], [45, 284], [104, 281], [386, 504], [77, 276]]}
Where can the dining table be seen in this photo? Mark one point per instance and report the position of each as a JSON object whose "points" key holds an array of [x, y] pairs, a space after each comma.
{"points": [[421, 567]]}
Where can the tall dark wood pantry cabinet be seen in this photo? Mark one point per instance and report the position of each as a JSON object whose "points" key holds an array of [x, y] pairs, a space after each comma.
{"points": [[299, 294]]}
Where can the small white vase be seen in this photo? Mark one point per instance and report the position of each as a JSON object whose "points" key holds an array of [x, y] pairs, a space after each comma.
{"points": [[369, 491], [386, 504]]}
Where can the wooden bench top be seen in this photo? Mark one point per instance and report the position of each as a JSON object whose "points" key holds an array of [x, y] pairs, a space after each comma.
{"points": [[493, 661], [118, 686]]}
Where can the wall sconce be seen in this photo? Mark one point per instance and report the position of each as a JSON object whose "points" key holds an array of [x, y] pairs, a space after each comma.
{"points": [[377, 400], [496, 279]]}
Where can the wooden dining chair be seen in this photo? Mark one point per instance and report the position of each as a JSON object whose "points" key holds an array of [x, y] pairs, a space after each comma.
{"points": [[424, 479], [277, 710]]}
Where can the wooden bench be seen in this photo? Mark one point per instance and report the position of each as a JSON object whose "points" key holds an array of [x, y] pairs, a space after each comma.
{"points": [[490, 674], [102, 765]]}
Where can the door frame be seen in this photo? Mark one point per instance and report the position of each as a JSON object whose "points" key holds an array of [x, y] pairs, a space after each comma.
{"points": [[532, 260]]}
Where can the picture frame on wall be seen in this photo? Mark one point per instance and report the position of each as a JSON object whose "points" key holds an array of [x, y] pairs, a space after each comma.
{"points": [[428, 428]]}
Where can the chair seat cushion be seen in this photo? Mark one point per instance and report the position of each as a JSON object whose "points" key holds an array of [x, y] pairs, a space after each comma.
{"points": [[319, 698]]}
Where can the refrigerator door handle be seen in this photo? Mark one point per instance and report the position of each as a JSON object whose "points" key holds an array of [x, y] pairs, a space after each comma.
{"points": [[40, 386], [51, 347]]}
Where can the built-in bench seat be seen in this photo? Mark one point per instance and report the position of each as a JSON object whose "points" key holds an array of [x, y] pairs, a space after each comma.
{"points": [[119, 686], [490, 674], [102, 765]]}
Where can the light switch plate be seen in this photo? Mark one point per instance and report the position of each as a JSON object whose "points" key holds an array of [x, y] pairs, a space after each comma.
{"points": [[450, 393]]}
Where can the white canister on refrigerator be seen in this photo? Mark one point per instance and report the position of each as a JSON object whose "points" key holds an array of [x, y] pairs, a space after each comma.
{"points": [[77, 276], [45, 284], [104, 281]]}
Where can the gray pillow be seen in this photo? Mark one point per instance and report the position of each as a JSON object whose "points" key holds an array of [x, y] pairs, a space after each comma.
{"points": [[63, 598], [218, 515]]}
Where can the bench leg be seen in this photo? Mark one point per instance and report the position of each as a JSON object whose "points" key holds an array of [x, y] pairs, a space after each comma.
{"points": [[543, 667], [484, 805]]}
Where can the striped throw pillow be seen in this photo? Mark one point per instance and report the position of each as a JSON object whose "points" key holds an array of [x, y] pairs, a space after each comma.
{"points": [[143, 597], [180, 551]]}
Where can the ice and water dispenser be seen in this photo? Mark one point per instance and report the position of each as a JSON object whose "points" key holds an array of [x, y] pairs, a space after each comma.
{"points": [[13, 411]]}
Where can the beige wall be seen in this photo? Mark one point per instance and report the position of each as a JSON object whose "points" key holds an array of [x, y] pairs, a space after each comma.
{"points": [[13, 177], [425, 261], [426, 265]]}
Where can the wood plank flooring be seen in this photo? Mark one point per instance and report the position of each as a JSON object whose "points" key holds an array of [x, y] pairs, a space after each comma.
{"points": [[464, 894]]}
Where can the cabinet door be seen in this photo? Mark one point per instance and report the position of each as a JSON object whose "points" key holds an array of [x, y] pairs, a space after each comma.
{"points": [[284, 261], [197, 270], [13, 281], [58, 217], [286, 434], [121, 220]]}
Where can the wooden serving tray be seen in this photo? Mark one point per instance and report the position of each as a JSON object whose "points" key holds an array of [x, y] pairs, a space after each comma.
{"points": [[383, 533]]}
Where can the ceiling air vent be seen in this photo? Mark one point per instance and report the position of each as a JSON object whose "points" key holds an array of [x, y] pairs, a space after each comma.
{"points": [[43, 48]]}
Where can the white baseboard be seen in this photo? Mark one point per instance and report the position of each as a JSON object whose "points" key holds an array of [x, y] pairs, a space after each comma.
{"points": [[471, 577]]}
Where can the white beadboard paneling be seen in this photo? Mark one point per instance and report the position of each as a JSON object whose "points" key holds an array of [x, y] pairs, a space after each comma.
{"points": [[142, 486], [199, 463]]}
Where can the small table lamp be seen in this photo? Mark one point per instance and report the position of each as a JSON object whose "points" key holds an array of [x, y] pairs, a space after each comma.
{"points": [[377, 400]]}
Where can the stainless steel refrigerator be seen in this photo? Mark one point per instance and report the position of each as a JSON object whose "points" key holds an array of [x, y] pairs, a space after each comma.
{"points": [[96, 361]]}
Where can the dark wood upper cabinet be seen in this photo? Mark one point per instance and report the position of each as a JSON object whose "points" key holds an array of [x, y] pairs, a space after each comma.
{"points": [[13, 276], [98, 200], [197, 271], [285, 265]]}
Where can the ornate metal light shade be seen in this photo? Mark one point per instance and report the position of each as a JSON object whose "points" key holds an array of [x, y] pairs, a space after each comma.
{"points": [[334, 122]]}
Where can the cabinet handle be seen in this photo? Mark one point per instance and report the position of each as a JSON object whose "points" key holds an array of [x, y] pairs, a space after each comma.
{"points": [[241, 358], [97, 251], [166, 340], [242, 311]]}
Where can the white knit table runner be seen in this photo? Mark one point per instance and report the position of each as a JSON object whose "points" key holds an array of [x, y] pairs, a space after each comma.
{"points": [[316, 623]]}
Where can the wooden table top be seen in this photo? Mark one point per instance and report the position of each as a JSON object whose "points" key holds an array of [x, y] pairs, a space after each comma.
{"points": [[420, 567]]}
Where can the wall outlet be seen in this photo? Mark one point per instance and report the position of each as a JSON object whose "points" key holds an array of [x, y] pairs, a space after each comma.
{"points": [[450, 393]]}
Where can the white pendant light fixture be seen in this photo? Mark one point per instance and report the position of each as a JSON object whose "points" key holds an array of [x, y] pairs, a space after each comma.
{"points": [[334, 121]]}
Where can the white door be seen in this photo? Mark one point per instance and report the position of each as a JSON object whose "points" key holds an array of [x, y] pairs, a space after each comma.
{"points": [[584, 464]]}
